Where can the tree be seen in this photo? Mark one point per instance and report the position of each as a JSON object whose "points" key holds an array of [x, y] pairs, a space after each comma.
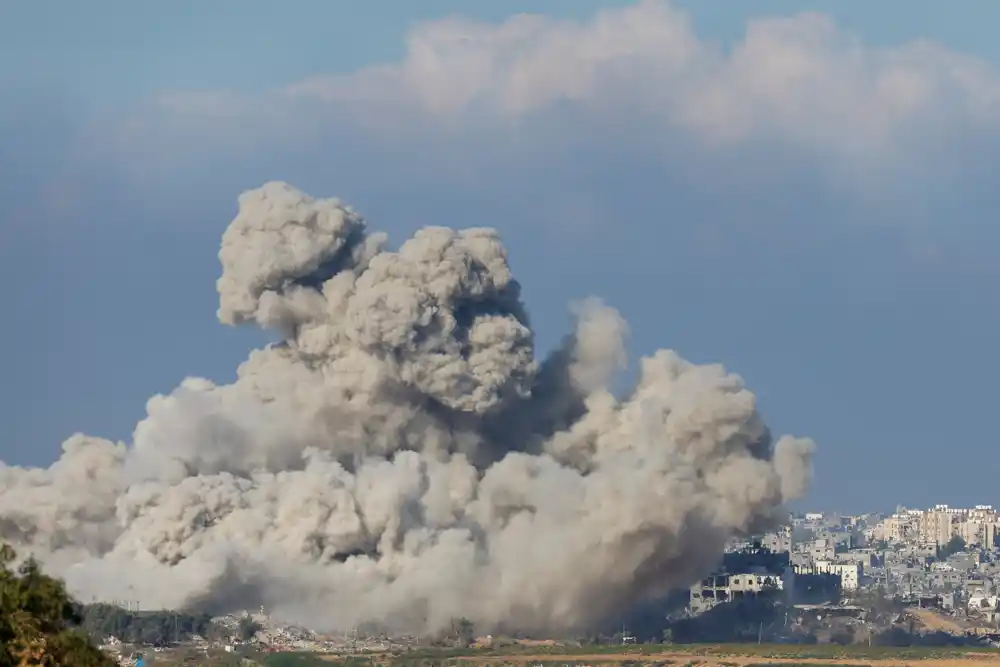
{"points": [[154, 628], [954, 545], [38, 619]]}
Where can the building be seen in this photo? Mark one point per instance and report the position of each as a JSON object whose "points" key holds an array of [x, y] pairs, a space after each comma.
{"points": [[865, 558], [935, 526], [748, 572], [849, 573], [778, 540], [899, 527], [728, 587], [978, 532], [810, 587], [821, 549]]}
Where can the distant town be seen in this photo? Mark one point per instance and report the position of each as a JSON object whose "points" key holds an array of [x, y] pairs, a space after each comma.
{"points": [[927, 571], [943, 552], [913, 577]]}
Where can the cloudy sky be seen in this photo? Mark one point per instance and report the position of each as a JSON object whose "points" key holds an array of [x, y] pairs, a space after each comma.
{"points": [[803, 191]]}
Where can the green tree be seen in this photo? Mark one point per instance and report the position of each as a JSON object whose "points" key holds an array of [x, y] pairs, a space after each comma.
{"points": [[954, 545], [38, 619], [147, 627]]}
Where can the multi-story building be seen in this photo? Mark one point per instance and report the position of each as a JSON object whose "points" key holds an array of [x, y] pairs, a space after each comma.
{"points": [[978, 533], [980, 526], [748, 572], [821, 549], [778, 540], [849, 573], [899, 527], [936, 525]]}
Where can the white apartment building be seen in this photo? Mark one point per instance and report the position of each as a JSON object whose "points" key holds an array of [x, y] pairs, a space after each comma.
{"points": [[849, 573]]}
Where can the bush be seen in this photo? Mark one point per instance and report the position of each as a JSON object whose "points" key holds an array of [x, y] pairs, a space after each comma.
{"points": [[38, 619]]}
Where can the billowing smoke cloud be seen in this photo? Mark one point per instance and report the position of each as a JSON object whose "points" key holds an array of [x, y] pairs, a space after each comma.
{"points": [[402, 457]]}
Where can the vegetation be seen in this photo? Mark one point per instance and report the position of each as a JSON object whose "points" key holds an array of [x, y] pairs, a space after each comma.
{"points": [[153, 628], [642, 654], [311, 660], [954, 546], [832, 652], [38, 619]]}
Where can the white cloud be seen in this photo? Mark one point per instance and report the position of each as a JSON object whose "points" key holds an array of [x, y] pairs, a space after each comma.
{"points": [[795, 79], [627, 119]]}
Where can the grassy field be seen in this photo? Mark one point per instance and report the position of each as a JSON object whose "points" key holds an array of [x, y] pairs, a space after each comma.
{"points": [[651, 655]]}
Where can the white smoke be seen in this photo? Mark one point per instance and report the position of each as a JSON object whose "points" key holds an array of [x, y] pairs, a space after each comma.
{"points": [[401, 457]]}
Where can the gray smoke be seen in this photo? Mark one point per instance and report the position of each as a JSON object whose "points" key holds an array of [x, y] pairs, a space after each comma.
{"points": [[401, 457]]}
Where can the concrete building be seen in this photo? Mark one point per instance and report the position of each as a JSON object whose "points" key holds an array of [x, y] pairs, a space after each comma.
{"points": [[723, 587], [849, 573], [978, 532], [865, 558], [822, 549], [935, 526], [748, 572], [979, 526], [778, 540], [899, 527]]}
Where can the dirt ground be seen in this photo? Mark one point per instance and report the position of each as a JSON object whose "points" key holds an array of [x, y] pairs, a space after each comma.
{"points": [[936, 622]]}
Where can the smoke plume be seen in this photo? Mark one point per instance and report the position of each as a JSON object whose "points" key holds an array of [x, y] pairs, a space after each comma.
{"points": [[401, 457]]}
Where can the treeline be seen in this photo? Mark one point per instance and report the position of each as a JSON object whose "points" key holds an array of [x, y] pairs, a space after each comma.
{"points": [[38, 621], [152, 628]]}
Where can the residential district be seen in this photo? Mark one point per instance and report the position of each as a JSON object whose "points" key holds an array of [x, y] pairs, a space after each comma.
{"points": [[916, 576]]}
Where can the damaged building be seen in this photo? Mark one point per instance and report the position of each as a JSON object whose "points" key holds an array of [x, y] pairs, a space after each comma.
{"points": [[755, 571], [751, 571]]}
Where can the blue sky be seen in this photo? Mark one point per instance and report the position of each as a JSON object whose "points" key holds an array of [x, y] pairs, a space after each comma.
{"points": [[831, 236]]}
